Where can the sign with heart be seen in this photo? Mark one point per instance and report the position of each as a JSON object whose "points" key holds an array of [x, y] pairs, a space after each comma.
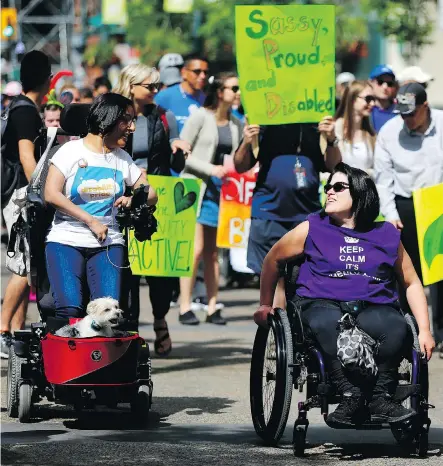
{"points": [[170, 251]]}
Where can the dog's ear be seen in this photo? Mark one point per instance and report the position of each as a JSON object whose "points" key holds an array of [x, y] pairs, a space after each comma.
{"points": [[92, 307]]}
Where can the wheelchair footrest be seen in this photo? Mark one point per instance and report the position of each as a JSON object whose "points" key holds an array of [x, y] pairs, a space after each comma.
{"points": [[405, 391], [366, 425]]}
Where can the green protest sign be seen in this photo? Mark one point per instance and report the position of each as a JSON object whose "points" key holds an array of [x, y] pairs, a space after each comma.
{"points": [[170, 251], [286, 62]]}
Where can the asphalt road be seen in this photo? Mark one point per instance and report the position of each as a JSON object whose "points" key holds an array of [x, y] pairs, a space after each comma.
{"points": [[200, 413]]}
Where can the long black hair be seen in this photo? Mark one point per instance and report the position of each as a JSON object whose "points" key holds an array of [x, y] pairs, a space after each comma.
{"points": [[365, 199], [106, 110], [217, 84]]}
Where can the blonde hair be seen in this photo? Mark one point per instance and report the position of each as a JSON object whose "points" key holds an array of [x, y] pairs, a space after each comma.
{"points": [[135, 74]]}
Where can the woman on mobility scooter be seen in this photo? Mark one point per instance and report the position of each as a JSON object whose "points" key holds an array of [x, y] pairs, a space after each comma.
{"points": [[351, 265], [86, 184]]}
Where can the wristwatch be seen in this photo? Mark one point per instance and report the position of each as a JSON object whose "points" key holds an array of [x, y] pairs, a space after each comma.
{"points": [[333, 143]]}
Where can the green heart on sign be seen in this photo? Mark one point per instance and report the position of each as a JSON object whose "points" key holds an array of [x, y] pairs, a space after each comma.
{"points": [[182, 201]]}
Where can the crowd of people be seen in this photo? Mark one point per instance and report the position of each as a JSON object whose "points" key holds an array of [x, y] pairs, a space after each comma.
{"points": [[179, 119]]}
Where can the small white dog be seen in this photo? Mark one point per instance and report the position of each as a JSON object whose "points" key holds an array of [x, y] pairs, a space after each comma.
{"points": [[102, 316]]}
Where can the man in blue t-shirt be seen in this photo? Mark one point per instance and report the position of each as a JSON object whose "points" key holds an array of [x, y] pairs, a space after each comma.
{"points": [[182, 99], [385, 88]]}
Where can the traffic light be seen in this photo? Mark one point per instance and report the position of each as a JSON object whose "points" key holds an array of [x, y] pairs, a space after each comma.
{"points": [[9, 24]]}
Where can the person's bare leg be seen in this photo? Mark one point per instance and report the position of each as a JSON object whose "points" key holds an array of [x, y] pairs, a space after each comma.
{"points": [[19, 318], [16, 290], [211, 267], [187, 283], [280, 296]]}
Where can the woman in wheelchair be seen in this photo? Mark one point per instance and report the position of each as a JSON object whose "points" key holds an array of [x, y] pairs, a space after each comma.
{"points": [[351, 264], [86, 184]]}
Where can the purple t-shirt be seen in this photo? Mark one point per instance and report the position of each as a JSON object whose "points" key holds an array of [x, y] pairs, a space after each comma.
{"points": [[346, 265]]}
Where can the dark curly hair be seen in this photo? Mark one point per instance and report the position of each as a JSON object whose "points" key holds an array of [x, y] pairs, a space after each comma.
{"points": [[365, 199], [106, 111]]}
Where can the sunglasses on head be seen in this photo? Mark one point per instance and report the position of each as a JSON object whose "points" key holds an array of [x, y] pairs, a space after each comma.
{"points": [[368, 98], [338, 187], [151, 87], [234, 89], [198, 71], [388, 83]]}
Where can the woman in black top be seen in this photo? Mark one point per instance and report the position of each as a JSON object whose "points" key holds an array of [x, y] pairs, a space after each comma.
{"points": [[156, 149]]}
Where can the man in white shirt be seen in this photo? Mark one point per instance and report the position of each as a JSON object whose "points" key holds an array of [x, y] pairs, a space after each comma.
{"points": [[409, 156]]}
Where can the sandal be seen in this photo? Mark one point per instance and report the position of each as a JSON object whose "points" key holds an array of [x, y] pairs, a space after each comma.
{"points": [[159, 342]]}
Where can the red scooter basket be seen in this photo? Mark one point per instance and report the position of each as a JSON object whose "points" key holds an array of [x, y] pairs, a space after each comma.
{"points": [[91, 361]]}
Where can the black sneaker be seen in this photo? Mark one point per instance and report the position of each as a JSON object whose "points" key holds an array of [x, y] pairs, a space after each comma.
{"points": [[347, 412], [5, 343], [386, 409], [188, 318], [216, 318]]}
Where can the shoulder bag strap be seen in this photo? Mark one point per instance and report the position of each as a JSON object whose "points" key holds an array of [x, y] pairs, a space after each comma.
{"points": [[52, 133]]}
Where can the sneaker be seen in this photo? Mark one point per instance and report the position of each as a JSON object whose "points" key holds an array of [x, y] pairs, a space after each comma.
{"points": [[347, 411], [5, 343], [386, 409], [173, 304], [198, 304], [218, 307], [188, 318], [216, 318], [201, 304]]}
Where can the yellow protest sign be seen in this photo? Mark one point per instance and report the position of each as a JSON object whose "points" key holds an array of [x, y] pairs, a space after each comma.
{"points": [[286, 62], [428, 205], [170, 251]]}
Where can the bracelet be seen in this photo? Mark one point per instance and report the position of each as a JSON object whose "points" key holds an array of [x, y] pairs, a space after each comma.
{"points": [[265, 305]]}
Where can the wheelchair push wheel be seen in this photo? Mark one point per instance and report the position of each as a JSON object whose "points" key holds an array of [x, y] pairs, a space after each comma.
{"points": [[271, 378]]}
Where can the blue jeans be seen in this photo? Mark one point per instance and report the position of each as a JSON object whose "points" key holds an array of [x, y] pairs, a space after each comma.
{"points": [[79, 274]]}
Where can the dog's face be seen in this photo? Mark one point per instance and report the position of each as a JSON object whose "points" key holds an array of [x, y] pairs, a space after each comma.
{"points": [[105, 312]]}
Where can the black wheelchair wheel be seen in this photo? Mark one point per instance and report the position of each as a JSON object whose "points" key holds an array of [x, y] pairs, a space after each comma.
{"points": [[14, 373], [271, 378]]}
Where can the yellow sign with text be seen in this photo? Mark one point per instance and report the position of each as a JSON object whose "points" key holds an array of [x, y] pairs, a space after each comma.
{"points": [[286, 62], [170, 251], [428, 205]]}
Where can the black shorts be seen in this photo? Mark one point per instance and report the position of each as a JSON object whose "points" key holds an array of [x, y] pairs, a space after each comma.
{"points": [[262, 236]]}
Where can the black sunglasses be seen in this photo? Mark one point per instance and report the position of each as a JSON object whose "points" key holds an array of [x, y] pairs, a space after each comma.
{"points": [[129, 119], [388, 83], [199, 71], [152, 87], [234, 89], [368, 98], [338, 187]]}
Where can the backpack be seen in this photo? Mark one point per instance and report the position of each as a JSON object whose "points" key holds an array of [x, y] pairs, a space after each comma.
{"points": [[10, 169]]}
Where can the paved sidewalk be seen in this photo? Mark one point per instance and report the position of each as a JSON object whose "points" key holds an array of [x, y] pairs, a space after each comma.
{"points": [[201, 412]]}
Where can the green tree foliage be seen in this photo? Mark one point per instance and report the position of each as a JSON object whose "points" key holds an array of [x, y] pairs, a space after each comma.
{"points": [[218, 29], [409, 21], [155, 32]]}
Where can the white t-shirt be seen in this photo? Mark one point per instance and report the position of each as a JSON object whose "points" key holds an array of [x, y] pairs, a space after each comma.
{"points": [[358, 154], [93, 182]]}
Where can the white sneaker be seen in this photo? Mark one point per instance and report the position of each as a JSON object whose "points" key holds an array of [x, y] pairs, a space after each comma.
{"points": [[5, 343], [218, 307], [197, 304]]}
